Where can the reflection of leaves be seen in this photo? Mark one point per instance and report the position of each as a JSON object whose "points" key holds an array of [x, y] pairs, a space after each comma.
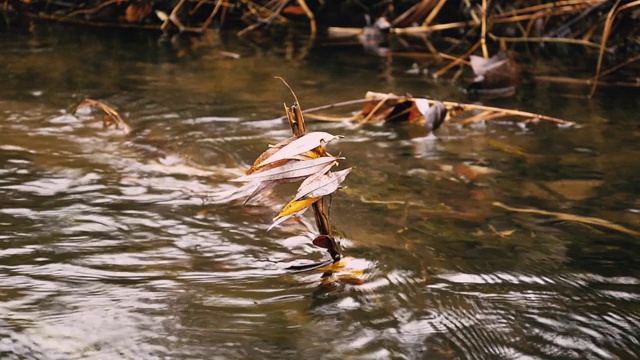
{"points": [[468, 171], [571, 217], [497, 75], [574, 189]]}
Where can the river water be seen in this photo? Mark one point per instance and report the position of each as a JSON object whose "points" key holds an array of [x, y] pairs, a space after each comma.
{"points": [[118, 246]]}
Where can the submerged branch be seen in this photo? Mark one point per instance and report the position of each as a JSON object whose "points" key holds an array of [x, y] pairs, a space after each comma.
{"points": [[571, 217], [112, 118], [454, 108]]}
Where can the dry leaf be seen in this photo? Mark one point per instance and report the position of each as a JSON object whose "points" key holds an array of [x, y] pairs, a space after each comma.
{"points": [[137, 11], [293, 208], [267, 153], [322, 185], [385, 107], [268, 185], [300, 145], [292, 169]]}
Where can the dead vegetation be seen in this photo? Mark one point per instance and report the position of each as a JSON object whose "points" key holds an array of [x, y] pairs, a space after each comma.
{"points": [[434, 31], [380, 107], [301, 158], [111, 118]]}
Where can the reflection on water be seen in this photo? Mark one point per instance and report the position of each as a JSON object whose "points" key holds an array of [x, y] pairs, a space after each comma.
{"points": [[116, 246]]}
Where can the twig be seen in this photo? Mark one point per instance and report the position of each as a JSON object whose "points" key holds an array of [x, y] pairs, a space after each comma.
{"points": [[622, 64], [570, 217], [449, 104], [92, 10], [212, 15], [617, 11], [587, 82], [506, 112], [545, 39], [312, 20], [483, 30], [549, 6], [321, 213], [458, 61], [605, 36], [434, 12], [376, 108]]}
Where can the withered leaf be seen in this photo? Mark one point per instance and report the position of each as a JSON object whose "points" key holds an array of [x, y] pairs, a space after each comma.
{"points": [[267, 153], [301, 145], [293, 208], [268, 185], [137, 11], [316, 175], [289, 170], [384, 107], [323, 185]]}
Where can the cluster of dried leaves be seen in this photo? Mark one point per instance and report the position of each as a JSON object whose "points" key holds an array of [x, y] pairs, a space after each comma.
{"points": [[437, 29], [302, 157], [298, 158], [379, 107]]}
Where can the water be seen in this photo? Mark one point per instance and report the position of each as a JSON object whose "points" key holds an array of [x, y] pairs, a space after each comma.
{"points": [[116, 247]]}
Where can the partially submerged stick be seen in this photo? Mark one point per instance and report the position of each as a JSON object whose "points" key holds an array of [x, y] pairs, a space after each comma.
{"points": [[112, 118], [571, 217], [296, 122], [489, 112]]}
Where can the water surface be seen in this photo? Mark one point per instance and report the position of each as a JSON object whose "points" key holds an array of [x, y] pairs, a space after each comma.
{"points": [[120, 247]]}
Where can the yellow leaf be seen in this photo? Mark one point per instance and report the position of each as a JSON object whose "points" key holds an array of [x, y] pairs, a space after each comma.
{"points": [[298, 205], [506, 233]]}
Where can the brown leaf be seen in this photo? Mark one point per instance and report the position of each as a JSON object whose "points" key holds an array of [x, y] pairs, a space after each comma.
{"points": [[382, 107], [137, 11]]}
